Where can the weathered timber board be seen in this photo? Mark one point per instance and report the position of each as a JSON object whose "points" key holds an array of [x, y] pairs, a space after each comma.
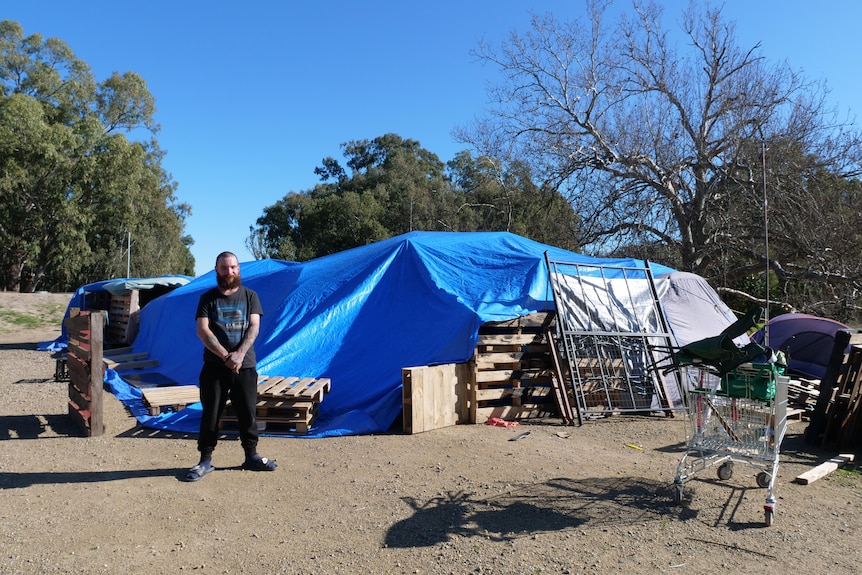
{"points": [[138, 364], [120, 358], [114, 351], [81, 417], [514, 412], [79, 349], [79, 370], [824, 469], [80, 398]]}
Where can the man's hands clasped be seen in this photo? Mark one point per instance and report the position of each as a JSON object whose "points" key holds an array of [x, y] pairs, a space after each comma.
{"points": [[233, 360]]}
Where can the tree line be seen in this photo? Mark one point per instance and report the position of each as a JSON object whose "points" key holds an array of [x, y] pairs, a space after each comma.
{"points": [[612, 137], [677, 143], [390, 186]]}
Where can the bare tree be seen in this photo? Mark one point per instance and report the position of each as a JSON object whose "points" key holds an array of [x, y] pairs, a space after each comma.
{"points": [[651, 133]]}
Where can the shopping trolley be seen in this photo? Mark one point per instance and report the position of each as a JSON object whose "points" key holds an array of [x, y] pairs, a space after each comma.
{"points": [[737, 417]]}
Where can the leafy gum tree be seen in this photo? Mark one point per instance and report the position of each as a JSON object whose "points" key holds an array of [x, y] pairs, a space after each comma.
{"points": [[392, 186], [72, 184]]}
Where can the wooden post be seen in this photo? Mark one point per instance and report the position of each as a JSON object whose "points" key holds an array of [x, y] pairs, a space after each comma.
{"points": [[97, 373]]}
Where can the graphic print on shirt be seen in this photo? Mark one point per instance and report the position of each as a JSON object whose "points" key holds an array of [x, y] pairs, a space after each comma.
{"points": [[233, 321]]}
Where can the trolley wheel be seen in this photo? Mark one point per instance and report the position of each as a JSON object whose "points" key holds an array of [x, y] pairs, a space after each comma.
{"points": [[768, 516], [725, 471], [763, 479], [677, 494]]}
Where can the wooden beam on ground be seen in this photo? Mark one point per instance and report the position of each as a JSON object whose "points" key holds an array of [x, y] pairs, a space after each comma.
{"points": [[824, 469]]}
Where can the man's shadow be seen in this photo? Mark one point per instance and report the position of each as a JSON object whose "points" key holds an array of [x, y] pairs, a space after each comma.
{"points": [[18, 480]]}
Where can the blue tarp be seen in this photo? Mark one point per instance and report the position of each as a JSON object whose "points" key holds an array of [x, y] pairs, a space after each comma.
{"points": [[359, 316]]}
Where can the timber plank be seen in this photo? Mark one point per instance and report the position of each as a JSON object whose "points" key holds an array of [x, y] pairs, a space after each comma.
{"points": [[114, 351], [138, 364], [824, 469], [508, 339], [276, 385]]}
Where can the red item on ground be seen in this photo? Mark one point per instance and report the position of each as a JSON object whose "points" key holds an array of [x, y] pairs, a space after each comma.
{"points": [[497, 422]]}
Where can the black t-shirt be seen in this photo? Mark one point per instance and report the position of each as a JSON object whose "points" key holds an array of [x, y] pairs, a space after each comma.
{"points": [[228, 319]]}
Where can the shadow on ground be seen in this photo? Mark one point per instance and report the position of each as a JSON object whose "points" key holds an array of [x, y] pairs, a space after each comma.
{"points": [[555, 505], [36, 426], [17, 480]]}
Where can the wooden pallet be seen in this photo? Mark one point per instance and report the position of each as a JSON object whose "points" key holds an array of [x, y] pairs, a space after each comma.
{"points": [[836, 376], [285, 404], [123, 317], [293, 388], [127, 361], [174, 397], [844, 414], [513, 370]]}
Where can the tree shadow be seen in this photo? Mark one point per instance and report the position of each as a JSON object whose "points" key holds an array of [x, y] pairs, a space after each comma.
{"points": [[555, 505]]}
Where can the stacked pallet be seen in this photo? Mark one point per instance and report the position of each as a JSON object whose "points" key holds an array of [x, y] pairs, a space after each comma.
{"points": [[123, 359], [802, 395], [286, 404], [513, 370], [844, 414], [123, 315], [835, 420]]}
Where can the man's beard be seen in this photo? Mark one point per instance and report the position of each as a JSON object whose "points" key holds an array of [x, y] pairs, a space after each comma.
{"points": [[228, 282]]}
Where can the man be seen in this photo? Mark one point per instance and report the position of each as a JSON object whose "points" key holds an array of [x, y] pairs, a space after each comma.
{"points": [[228, 321]]}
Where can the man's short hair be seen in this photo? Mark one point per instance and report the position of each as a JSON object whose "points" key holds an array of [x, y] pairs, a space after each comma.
{"points": [[226, 255]]}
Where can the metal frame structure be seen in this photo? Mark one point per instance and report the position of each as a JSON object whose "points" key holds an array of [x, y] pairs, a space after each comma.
{"points": [[609, 321]]}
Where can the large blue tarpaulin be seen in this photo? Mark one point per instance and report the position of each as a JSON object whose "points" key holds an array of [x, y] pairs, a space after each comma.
{"points": [[358, 317]]}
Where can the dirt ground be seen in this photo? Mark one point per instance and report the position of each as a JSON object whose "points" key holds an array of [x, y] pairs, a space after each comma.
{"points": [[465, 499]]}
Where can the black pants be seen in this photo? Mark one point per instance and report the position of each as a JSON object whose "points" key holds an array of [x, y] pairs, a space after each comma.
{"points": [[217, 383]]}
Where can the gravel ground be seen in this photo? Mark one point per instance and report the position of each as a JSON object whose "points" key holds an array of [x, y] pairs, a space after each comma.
{"points": [[465, 499]]}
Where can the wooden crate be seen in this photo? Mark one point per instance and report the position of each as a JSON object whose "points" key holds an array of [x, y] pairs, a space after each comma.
{"points": [[434, 396]]}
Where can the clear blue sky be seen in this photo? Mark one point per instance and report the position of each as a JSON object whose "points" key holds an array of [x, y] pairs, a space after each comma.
{"points": [[251, 96]]}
